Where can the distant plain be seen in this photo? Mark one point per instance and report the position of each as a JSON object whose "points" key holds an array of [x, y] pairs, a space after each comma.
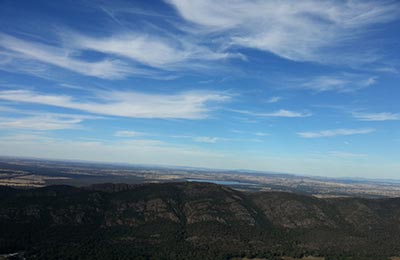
{"points": [[23, 172]]}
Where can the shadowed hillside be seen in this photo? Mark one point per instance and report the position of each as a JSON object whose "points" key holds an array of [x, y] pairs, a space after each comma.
{"points": [[192, 221]]}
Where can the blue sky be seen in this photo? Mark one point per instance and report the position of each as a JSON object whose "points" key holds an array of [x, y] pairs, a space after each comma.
{"points": [[305, 87]]}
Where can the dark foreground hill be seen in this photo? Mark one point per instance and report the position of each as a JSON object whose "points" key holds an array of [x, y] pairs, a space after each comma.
{"points": [[192, 221]]}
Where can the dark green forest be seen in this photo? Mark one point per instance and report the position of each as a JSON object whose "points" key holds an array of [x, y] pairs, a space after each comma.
{"points": [[192, 221]]}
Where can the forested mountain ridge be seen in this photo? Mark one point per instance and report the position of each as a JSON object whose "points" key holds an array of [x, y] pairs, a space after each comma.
{"points": [[192, 221]]}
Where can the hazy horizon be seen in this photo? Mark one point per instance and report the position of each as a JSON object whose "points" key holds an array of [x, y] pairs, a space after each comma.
{"points": [[200, 168]]}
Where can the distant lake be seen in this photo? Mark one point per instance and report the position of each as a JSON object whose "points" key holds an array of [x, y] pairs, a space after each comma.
{"points": [[221, 182]]}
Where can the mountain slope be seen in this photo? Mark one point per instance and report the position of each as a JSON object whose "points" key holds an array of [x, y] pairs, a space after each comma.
{"points": [[191, 221]]}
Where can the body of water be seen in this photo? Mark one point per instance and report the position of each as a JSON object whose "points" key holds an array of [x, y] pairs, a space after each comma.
{"points": [[221, 182]]}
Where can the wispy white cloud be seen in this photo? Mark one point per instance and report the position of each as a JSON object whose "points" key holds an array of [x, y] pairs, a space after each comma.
{"points": [[115, 10], [296, 30], [236, 131], [16, 63], [133, 53], [278, 113], [21, 138], [261, 134], [64, 58], [274, 99], [186, 105], [156, 51], [384, 116], [206, 139], [42, 122], [198, 139], [215, 139], [336, 132], [388, 69], [347, 155], [124, 133], [7, 109], [301, 31], [340, 83]]}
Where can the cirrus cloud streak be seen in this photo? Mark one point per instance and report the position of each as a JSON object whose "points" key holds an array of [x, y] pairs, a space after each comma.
{"points": [[278, 113], [336, 132], [383, 116], [186, 105], [295, 30]]}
